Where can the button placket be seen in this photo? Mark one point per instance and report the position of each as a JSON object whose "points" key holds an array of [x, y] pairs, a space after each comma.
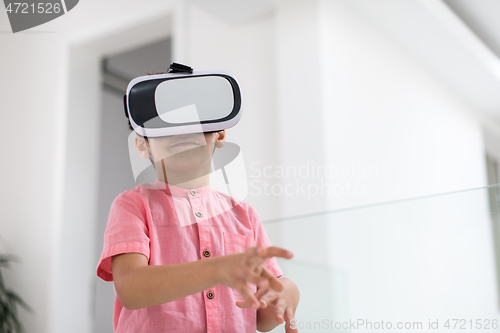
{"points": [[205, 250], [196, 204], [205, 240]]}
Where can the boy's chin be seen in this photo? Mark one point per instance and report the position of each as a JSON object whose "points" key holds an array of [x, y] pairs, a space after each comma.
{"points": [[185, 167], [187, 157]]}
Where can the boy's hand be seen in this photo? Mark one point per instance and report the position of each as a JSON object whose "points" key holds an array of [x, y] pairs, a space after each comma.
{"points": [[236, 270], [282, 303]]}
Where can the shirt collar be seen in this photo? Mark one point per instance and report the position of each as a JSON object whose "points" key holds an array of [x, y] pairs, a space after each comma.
{"points": [[178, 191]]}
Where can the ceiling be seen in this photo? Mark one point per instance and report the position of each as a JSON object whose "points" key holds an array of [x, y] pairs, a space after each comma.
{"points": [[482, 17], [236, 11]]}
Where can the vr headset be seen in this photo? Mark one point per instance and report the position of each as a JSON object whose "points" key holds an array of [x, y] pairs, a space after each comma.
{"points": [[182, 102]]}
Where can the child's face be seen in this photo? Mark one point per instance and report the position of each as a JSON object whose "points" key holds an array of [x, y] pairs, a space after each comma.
{"points": [[186, 153]]}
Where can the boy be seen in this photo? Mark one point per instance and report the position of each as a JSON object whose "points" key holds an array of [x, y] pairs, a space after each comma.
{"points": [[181, 254]]}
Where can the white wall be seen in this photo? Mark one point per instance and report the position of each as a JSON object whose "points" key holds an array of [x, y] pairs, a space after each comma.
{"points": [[32, 111], [385, 109]]}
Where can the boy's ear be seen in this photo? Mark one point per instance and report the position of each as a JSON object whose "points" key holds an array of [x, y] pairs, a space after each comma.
{"points": [[142, 146], [220, 139]]}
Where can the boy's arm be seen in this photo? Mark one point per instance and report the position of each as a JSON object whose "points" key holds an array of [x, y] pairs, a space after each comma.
{"points": [[278, 307], [139, 285]]}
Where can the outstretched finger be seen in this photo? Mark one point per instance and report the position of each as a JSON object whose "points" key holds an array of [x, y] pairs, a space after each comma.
{"points": [[274, 251], [274, 283], [259, 295], [269, 298], [257, 279], [248, 296], [254, 256], [288, 321], [257, 255], [279, 309]]}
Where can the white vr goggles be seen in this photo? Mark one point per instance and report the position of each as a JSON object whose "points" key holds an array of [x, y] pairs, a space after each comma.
{"points": [[182, 102]]}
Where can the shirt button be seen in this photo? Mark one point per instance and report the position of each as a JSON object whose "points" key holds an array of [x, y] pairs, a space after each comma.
{"points": [[206, 253], [198, 214], [210, 295], [193, 192]]}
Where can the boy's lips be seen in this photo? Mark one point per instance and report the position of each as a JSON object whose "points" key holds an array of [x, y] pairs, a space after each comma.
{"points": [[184, 142]]}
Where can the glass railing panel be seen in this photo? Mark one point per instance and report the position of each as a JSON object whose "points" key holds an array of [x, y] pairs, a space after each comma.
{"points": [[424, 264]]}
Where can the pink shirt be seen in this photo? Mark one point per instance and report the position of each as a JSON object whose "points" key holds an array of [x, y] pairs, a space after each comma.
{"points": [[170, 225]]}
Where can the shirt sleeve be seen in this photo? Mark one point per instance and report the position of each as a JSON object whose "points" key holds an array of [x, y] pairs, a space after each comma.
{"points": [[126, 232], [261, 239]]}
